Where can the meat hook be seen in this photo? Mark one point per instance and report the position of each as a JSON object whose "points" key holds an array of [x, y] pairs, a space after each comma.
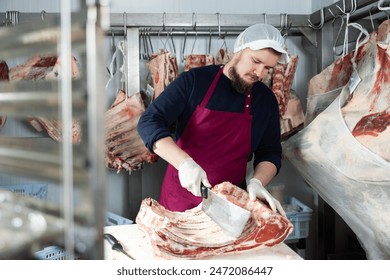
{"points": [[184, 46], [43, 12], [321, 24], [173, 43], [380, 6], [338, 34], [343, 10], [150, 42]]}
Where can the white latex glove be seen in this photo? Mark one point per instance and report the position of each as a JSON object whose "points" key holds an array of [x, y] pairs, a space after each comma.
{"points": [[191, 175], [256, 190]]}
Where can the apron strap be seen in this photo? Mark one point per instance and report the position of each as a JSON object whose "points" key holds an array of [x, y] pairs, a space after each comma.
{"points": [[212, 87]]}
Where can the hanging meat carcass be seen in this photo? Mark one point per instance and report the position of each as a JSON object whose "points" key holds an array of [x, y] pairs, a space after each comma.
{"points": [[198, 60], [344, 153], [163, 70], [324, 87], [223, 56], [193, 235], [46, 67], [280, 79], [4, 76], [124, 147]]}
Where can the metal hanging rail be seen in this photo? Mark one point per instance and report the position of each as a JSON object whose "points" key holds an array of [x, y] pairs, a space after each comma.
{"points": [[363, 9]]}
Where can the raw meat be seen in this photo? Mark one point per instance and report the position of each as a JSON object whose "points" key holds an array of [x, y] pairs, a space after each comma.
{"points": [[124, 147], [193, 235], [4, 76], [163, 69], [53, 127], [46, 67], [41, 68], [290, 109], [344, 153], [4, 71], [383, 32], [367, 113], [223, 56], [198, 60], [324, 87]]}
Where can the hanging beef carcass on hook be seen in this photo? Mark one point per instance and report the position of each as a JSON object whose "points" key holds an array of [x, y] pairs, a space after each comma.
{"points": [[324, 87], [46, 67], [4, 76], [344, 153], [223, 56], [198, 60], [163, 70], [124, 147], [290, 109], [280, 80]]}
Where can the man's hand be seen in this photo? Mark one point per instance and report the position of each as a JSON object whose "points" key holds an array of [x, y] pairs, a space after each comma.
{"points": [[256, 190], [191, 175]]}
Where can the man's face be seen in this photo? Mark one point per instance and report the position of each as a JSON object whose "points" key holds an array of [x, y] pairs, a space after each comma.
{"points": [[252, 66]]}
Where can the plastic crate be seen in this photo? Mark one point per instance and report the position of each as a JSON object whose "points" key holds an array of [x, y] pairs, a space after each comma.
{"points": [[37, 190], [51, 253], [113, 219], [300, 219]]}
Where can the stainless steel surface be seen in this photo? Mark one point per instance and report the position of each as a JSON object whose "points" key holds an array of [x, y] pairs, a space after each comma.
{"points": [[230, 217], [132, 61], [39, 98], [169, 20]]}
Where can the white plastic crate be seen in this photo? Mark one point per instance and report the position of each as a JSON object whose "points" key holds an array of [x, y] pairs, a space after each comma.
{"points": [[37, 190], [300, 215]]}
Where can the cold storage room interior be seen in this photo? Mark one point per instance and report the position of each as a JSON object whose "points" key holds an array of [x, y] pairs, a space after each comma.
{"points": [[79, 183]]}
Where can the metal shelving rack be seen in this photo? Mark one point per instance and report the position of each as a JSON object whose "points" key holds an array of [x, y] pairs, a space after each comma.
{"points": [[78, 168]]}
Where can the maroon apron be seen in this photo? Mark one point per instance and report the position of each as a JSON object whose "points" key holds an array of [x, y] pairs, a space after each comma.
{"points": [[220, 142]]}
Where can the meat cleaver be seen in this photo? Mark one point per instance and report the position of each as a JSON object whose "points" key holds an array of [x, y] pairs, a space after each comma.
{"points": [[230, 217]]}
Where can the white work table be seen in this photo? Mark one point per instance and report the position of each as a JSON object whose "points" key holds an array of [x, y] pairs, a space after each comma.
{"points": [[136, 243]]}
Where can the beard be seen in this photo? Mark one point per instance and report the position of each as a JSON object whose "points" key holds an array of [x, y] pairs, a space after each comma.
{"points": [[238, 83]]}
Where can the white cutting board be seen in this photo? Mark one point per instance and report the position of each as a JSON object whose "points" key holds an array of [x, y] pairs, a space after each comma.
{"points": [[136, 243]]}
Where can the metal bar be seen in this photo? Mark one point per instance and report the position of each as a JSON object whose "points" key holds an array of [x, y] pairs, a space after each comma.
{"points": [[95, 26], [66, 114], [22, 161], [170, 20], [132, 63], [38, 99], [315, 17], [185, 32], [40, 37]]}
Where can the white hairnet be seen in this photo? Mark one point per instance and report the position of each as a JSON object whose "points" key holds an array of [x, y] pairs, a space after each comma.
{"points": [[260, 36]]}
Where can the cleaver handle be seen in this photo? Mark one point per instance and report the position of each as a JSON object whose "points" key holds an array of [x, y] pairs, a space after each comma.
{"points": [[204, 190]]}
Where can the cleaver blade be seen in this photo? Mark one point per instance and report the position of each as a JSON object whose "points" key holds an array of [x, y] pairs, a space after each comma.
{"points": [[230, 217]]}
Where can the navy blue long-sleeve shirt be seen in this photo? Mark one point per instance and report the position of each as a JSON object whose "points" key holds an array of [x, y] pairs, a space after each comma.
{"points": [[179, 100]]}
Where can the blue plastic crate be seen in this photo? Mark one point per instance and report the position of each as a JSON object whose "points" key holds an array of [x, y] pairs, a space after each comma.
{"points": [[300, 215], [37, 190], [113, 219], [51, 253]]}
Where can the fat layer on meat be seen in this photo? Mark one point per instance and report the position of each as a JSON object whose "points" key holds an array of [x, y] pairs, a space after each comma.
{"points": [[193, 235]]}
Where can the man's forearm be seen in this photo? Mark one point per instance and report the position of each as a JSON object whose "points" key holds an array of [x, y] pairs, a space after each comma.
{"points": [[167, 149], [265, 172]]}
